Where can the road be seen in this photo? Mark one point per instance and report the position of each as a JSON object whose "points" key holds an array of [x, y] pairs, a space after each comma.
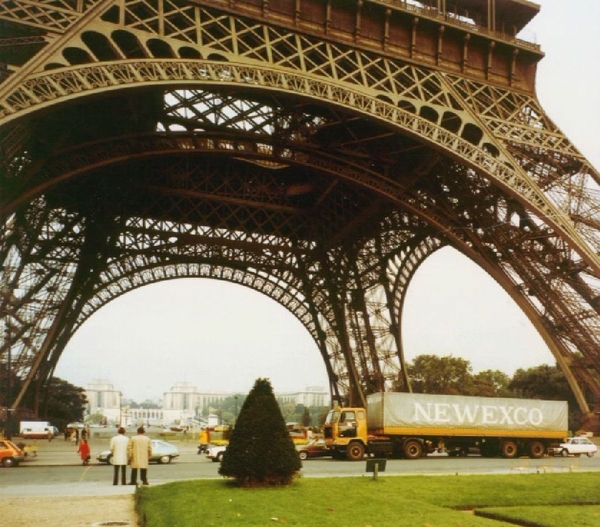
{"points": [[56, 470]]}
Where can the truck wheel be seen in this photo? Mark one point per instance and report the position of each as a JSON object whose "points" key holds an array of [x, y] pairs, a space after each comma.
{"points": [[564, 452], [413, 449], [537, 449], [509, 449], [355, 451]]}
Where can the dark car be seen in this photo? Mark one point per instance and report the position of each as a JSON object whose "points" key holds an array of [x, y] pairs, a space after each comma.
{"points": [[314, 448]]}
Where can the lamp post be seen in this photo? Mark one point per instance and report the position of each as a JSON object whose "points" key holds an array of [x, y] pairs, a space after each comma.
{"points": [[236, 407], [120, 409], [8, 431]]}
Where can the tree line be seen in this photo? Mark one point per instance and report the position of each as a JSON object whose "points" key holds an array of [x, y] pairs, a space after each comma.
{"points": [[63, 402], [451, 375]]}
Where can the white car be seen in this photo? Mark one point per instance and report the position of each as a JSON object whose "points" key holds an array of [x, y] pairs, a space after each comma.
{"points": [[575, 446], [162, 452], [215, 452]]}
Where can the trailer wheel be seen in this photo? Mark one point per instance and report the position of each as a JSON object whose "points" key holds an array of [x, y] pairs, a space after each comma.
{"points": [[355, 451], [509, 449], [537, 449], [413, 449]]}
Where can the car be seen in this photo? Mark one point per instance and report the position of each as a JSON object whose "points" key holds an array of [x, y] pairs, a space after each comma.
{"points": [[10, 454], [216, 452], [162, 452], [574, 446], [314, 448]]}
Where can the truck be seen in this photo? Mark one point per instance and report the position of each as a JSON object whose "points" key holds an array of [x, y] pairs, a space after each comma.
{"points": [[410, 425], [37, 430]]}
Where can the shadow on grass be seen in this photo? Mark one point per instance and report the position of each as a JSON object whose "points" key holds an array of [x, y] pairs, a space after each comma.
{"points": [[545, 516]]}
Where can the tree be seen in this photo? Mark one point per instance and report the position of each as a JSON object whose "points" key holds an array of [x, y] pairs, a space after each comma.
{"points": [[62, 402], [306, 420], [491, 383], [260, 451], [441, 375], [549, 383], [65, 402]]}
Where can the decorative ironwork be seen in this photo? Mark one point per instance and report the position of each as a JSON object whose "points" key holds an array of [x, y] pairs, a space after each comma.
{"points": [[315, 152]]}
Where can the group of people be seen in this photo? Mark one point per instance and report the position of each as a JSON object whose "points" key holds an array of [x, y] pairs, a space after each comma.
{"points": [[135, 451]]}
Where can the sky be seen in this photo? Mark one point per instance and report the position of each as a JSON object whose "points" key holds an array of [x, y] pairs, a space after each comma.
{"points": [[222, 337]]}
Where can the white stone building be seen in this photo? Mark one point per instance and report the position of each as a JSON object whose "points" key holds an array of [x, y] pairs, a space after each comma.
{"points": [[103, 398], [183, 403]]}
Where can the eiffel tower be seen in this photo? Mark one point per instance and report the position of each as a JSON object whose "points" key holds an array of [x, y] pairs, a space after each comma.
{"points": [[316, 151]]}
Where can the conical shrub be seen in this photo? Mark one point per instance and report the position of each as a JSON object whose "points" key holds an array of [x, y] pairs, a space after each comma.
{"points": [[260, 451]]}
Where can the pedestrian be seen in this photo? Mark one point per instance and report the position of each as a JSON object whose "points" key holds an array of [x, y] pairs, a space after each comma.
{"points": [[84, 451], [118, 450], [139, 451], [203, 440]]}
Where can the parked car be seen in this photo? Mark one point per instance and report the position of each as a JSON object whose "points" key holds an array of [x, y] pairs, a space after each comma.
{"points": [[314, 448], [162, 452], [575, 446], [215, 453], [10, 454]]}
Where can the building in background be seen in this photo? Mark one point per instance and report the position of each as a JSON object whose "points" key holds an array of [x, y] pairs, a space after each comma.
{"points": [[183, 403], [104, 399]]}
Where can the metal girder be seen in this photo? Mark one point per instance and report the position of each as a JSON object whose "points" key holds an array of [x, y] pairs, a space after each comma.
{"points": [[318, 156]]}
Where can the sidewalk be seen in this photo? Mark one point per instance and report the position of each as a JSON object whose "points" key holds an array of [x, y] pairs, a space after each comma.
{"points": [[73, 505]]}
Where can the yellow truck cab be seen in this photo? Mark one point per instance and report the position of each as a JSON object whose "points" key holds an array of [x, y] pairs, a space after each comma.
{"points": [[345, 432]]}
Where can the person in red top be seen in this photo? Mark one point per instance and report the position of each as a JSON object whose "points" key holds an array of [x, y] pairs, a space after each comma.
{"points": [[84, 451]]}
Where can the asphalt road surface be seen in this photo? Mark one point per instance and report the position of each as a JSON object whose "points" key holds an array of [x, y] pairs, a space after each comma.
{"points": [[56, 470]]}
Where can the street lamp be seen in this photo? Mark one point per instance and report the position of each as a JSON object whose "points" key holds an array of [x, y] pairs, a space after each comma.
{"points": [[120, 409], [236, 414], [8, 431]]}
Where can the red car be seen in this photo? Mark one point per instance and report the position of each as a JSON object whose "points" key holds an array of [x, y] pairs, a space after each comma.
{"points": [[314, 448]]}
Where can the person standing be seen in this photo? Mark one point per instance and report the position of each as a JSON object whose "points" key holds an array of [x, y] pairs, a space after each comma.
{"points": [[139, 451], [119, 456], [84, 451]]}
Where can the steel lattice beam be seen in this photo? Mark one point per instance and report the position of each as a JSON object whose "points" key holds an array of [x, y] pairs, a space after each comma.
{"points": [[317, 152]]}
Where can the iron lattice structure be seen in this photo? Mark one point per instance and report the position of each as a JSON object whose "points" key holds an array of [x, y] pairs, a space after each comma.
{"points": [[317, 151]]}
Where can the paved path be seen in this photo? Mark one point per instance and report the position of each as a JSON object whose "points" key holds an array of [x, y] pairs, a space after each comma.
{"points": [[77, 504]]}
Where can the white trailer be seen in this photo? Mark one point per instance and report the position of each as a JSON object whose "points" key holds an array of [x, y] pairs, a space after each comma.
{"points": [[413, 425]]}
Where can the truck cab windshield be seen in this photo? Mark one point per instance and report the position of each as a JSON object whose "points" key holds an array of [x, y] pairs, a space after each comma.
{"points": [[332, 417]]}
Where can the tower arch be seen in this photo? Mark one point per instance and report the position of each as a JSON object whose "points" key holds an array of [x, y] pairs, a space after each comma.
{"points": [[293, 145]]}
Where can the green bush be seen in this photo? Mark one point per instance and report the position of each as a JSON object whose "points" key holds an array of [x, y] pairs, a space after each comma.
{"points": [[260, 451]]}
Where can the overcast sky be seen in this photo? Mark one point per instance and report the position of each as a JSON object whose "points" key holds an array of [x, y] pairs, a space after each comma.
{"points": [[221, 337]]}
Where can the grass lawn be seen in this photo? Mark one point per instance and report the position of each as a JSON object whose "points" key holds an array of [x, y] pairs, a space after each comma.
{"points": [[534, 500]]}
